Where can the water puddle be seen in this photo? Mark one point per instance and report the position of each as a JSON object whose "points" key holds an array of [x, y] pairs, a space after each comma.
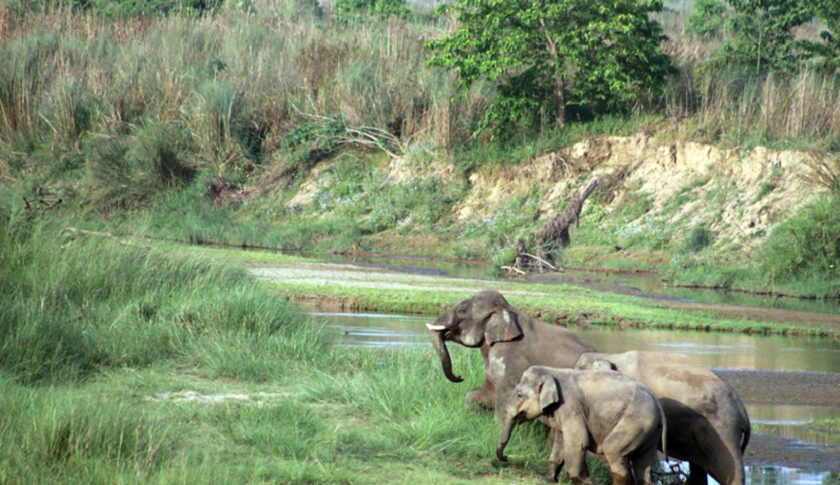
{"points": [[786, 423], [775, 475]]}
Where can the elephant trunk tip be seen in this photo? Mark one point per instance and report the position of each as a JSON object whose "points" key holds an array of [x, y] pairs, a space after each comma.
{"points": [[500, 453]]}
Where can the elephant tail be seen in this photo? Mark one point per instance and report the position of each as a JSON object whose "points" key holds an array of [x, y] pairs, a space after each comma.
{"points": [[746, 430], [746, 426], [664, 428]]}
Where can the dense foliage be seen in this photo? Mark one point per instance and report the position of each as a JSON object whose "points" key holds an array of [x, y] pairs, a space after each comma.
{"points": [[545, 55]]}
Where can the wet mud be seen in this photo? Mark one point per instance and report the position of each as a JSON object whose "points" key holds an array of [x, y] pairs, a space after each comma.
{"points": [[793, 388]]}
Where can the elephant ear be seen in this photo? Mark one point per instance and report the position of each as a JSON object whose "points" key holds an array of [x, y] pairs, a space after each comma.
{"points": [[502, 326], [550, 393]]}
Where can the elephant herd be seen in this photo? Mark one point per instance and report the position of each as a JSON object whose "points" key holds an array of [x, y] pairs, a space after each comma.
{"points": [[622, 406]]}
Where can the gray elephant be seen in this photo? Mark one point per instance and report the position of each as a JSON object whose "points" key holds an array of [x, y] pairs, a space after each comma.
{"points": [[600, 411], [510, 343], [708, 424]]}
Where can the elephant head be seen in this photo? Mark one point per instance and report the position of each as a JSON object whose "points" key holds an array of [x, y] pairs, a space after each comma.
{"points": [[587, 363], [538, 393], [484, 318]]}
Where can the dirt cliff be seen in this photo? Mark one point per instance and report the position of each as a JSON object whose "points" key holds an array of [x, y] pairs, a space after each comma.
{"points": [[739, 194]]}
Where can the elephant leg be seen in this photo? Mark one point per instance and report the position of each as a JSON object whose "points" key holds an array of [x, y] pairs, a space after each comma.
{"points": [[727, 467], [575, 457], [555, 459], [483, 397], [696, 475], [641, 466], [619, 469]]}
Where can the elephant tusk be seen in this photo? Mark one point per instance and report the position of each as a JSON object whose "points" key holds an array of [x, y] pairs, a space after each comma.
{"points": [[436, 328]]}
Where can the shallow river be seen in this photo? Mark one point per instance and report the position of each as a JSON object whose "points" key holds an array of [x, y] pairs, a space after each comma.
{"points": [[715, 350], [649, 285]]}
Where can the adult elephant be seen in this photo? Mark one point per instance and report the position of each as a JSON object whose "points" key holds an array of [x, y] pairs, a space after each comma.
{"points": [[708, 425], [510, 343]]}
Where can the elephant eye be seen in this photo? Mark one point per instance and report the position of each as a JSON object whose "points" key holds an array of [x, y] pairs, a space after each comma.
{"points": [[519, 395]]}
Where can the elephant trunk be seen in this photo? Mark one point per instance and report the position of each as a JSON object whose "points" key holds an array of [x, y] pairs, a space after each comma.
{"points": [[439, 343], [507, 426]]}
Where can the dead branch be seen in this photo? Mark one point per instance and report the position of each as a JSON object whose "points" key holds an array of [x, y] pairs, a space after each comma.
{"points": [[41, 204], [366, 136], [513, 270], [544, 262], [81, 232], [557, 229]]}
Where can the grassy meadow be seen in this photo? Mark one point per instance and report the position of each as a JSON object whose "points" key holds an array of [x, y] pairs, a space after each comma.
{"points": [[105, 340]]}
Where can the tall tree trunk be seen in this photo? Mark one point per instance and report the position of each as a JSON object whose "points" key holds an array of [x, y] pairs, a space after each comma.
{"points": [[560, 95]]}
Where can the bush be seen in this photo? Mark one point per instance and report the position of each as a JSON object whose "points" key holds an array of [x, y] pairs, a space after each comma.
{"points": [[708, 18], [806, 246], [129, 172], [698, 239], [347, 9]]}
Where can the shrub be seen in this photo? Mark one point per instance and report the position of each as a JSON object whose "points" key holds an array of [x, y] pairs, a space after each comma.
{"points": [[347, 9], [698, 239], [806, 245]]}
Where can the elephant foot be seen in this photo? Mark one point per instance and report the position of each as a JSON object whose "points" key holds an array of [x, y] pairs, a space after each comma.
{"points": [[696, 475], [484, 397], [552, 471]]}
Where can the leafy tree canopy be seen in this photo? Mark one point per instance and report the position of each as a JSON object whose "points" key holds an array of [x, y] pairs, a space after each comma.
{"points": [[551, 52], [708, 18], [762, 38], [827, 52]]}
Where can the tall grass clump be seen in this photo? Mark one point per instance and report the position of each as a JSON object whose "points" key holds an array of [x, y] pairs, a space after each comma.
{"points": [[59, 433], [803, 253], [73, 307]]}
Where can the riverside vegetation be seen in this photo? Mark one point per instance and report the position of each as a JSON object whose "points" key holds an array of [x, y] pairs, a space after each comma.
{"points": [[128, 119], [116, 124]]}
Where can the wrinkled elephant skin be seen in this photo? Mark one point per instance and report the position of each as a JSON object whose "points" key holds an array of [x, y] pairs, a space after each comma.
{"points": [[599, 411], [510, 342], [694, 399]]}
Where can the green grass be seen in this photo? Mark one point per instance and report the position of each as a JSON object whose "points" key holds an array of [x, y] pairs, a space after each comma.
{"points": [[551, 303], [827, 425], [102, 337]]}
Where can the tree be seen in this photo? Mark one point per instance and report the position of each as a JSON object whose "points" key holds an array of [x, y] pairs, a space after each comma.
{"points": [[708, 18], [827, 52], [555, 51], [762, 35]]}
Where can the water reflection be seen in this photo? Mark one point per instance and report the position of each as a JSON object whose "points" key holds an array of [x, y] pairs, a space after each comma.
{"points": [[776, 475], [375, 330], [714, 349], [786, 476], [725, 350]]}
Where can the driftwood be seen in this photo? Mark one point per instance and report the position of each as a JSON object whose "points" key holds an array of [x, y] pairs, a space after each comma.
{"points": [[41, 204], [557, 229], [73, 233], [554, 234]]}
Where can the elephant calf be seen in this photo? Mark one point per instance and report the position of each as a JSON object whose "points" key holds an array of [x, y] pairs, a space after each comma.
{"points": [[707, 422], [601, 411]]}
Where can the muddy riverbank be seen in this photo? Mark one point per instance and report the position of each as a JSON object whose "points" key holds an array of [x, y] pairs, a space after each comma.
{"points": [[789, 388]]}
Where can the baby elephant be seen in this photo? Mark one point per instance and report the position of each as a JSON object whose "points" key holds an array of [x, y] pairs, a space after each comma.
{"points": [[601, 411]]}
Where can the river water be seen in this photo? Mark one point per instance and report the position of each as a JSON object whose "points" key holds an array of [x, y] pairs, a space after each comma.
{"points": [[715, 350], [649, 285]]}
